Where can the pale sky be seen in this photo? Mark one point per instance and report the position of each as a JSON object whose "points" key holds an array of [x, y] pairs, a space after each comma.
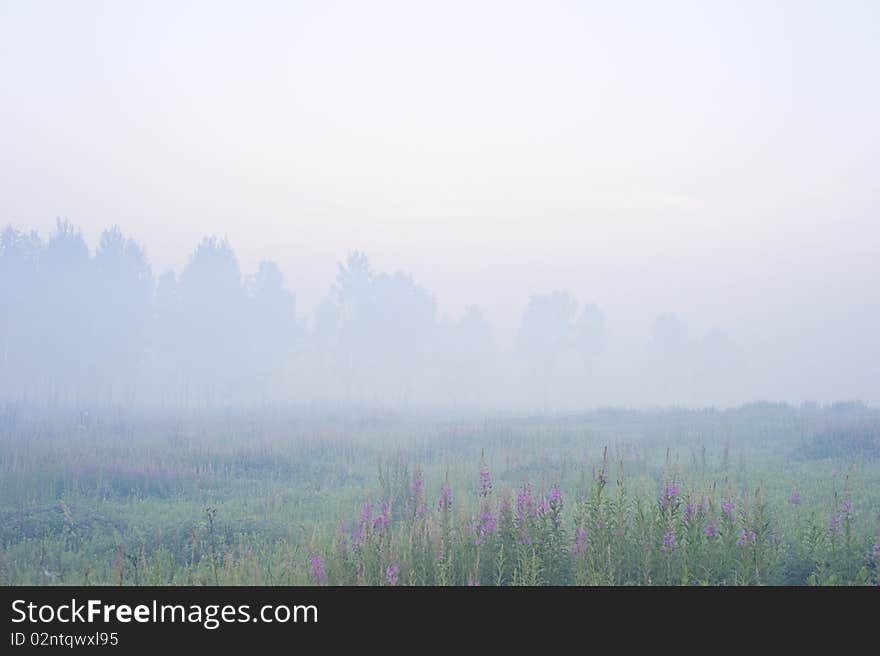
{"points": [[718, 160]]}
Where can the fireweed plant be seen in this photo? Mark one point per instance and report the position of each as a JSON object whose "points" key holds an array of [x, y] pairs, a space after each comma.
{"points": [[743, 497], [601, 535]]}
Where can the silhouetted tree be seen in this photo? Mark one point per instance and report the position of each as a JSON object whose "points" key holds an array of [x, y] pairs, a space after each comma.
{"points": [[273, 330], [381, 327], [212, 327], [124, 295], [546, 333], [21, 314], [67, 328]]}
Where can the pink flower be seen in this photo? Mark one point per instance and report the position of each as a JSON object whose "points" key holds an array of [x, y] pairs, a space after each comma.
{"points": [[317, 570], [392, 574]]}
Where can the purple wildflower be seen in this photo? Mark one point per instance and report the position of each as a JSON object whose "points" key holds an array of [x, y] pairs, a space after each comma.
{"points": [[525, 504], [445, 502], [727, 509], [317, 570], [669, 543], [383, 519], [485, 482], [711, 530], [581, 542], [747, 537], [669, 495], [556, 504], [847, 507], [704, 505], [364, 524], [689, 511], [484, 526], [834, 525], [795, 499], [392, 574], [417, 494], [556, 498], [525, 510]]}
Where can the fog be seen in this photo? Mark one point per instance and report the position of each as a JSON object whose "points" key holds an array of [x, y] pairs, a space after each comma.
{"points": [[468, 205], [82, 328]]}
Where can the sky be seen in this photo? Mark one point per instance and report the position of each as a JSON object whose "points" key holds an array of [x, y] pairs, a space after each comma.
{"points": [[717, 160]]}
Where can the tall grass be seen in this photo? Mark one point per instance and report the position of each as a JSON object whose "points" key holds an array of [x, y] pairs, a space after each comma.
{"points": [[612, 497]]}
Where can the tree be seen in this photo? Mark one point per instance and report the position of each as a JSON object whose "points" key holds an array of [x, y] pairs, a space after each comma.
{"points": [[124, 291], [546, 333], [381, 328], [273, 329], [21, 307], [212, 320], [67, 329]]}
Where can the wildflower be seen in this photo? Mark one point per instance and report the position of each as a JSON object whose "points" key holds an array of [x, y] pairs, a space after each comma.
{"points": [[556, 498], [746, 537], [485, 482], [556, 504], [364, 524], [525, 504], [795, 499], [669, 496], [711, 530], [689, 511], [847, 507], [383, 519], [317, 570], [417, 494], [445, 502], [392, 574], [668, 542], [727, 509], [834, 525], [581, 542], [484, 526], [525, 509]]}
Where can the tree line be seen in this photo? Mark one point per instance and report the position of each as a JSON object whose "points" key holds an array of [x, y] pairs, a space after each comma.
{"points": [[79, 327]]}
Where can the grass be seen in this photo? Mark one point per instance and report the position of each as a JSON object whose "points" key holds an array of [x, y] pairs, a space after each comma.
{"points": [[280, 496]]}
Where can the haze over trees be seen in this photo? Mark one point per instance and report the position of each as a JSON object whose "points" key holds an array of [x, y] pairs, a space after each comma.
{"points": [[81, 327]]}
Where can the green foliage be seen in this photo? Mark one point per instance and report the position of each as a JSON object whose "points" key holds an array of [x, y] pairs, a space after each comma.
{"points": [[251, 500]]}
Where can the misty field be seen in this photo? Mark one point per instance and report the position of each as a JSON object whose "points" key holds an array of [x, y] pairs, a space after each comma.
{"points": [[762, 494]]}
